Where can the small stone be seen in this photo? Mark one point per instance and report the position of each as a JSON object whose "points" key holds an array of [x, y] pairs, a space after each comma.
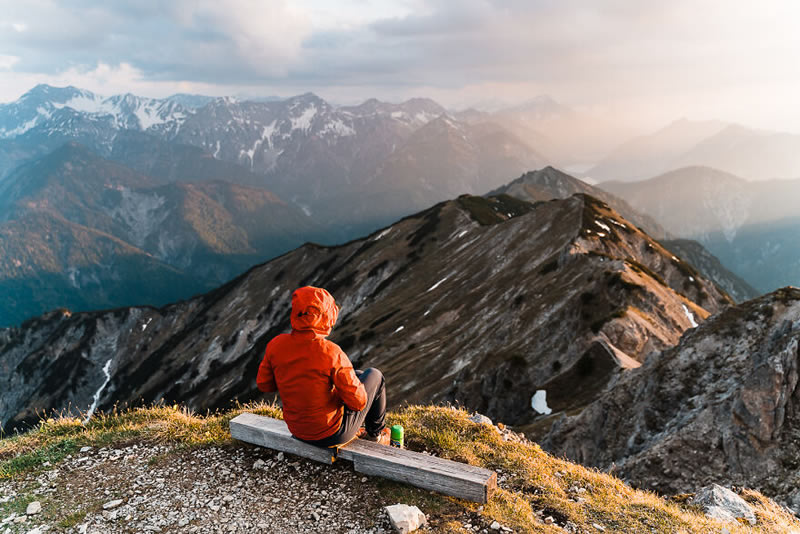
{"points": [[495, 525], [549, 520], [280, 457], [33, 508], [85, 449], [259, 464], [601, 528], [112, 504], [276, 500], [363, 479], [315, 516], [480, 419], [405, 518], [228, 498], [36, 530]]}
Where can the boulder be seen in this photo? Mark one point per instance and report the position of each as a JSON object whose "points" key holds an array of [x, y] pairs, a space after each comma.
{"points": [[723, 504]]}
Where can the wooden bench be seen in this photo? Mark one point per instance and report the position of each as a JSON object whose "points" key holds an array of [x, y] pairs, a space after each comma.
{"points": [[429, 472]]}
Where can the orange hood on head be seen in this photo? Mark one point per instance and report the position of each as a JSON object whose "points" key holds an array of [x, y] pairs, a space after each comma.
{"points": [[314, 309]]}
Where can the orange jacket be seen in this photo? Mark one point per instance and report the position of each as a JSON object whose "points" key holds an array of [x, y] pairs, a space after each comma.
{"points": [[314, 377]]}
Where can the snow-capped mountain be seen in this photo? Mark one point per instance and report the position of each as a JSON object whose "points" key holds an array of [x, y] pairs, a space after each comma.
{"points": [[41, 107], [323, 158]]}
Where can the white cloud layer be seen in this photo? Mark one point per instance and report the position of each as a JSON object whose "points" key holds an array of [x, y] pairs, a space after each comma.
{"points": [[732, 59]]}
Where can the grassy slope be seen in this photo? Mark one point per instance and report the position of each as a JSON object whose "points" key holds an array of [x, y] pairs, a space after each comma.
{"points": [[534, 485]]}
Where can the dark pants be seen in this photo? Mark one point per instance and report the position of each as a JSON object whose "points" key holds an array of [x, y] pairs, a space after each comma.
{"points": [[371, 417]]}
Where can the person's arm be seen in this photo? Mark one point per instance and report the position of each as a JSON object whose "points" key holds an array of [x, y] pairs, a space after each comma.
{"points": [[266, 379], [348, 386]]}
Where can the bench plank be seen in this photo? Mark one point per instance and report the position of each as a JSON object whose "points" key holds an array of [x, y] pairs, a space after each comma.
{"points": [[422, 470], [428, 472], [274, 434]]}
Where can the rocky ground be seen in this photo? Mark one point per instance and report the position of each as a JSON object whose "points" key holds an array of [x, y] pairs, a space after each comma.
{"points": [[160, 488], [154, 488]]}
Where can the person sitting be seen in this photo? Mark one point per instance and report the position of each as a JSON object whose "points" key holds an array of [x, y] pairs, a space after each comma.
{"points": [[325, 401]]}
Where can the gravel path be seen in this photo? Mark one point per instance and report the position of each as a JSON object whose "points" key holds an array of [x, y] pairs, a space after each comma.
{"points": [[157, 488]]}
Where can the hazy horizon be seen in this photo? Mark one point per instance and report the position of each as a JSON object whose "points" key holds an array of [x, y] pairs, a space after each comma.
{"points": [[640, 64]]}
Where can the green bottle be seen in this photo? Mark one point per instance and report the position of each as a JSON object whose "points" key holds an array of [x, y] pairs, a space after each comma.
{"points": [[397, 436]]}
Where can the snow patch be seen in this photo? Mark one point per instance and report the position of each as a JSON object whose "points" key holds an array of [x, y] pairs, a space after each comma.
{"points": [[303, 121], [145, 325], [380, 235], [19, 130], [437, 284], [539, 402], [399, 328], [601, 225], [148, 115], [339, 128], [689, 316], [93, 407], [462, 233]]}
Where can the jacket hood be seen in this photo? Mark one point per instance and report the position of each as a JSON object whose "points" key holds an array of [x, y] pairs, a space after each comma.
{"points": [[313, 309]]}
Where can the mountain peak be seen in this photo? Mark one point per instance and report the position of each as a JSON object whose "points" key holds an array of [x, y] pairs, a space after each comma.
{"points": [[44, 92]]}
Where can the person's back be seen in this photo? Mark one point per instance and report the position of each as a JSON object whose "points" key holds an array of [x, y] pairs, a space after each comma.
{"points": [[324, 399]]}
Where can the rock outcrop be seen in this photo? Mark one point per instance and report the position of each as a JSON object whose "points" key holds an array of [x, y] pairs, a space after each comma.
{"points": [[722, 406]]}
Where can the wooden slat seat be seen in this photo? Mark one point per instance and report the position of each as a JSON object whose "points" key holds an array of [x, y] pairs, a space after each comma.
{"points": [[421, 470]]}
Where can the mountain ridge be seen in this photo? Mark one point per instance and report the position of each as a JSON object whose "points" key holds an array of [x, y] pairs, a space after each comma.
{"points": [[205, 350]]}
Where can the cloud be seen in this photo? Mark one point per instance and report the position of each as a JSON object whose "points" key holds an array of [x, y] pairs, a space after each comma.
{"points": [[6, 62], [197, 40], [678, 57]]}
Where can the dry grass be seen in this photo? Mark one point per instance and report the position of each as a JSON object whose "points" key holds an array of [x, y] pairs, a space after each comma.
{"points": [[536, 484]]}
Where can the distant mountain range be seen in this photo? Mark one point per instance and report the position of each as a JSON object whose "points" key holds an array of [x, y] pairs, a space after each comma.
{"points": [[205, 187], [201, 188], [308, 152], [751, 226], [736, 149]]}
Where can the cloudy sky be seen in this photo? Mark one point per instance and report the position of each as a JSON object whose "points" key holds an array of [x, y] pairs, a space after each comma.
{"points": [[645, 61]]}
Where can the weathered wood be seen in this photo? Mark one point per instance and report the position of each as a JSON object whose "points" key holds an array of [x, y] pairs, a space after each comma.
{"points": [[429, 472], [422, 470], [273, 434]]}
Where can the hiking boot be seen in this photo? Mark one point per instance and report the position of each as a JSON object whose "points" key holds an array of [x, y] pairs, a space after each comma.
{"points": [[384, 437]]}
